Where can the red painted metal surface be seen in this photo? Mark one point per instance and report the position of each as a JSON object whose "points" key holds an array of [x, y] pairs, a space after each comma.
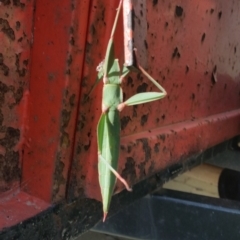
{"points": [[192, 48], [57, 60], [48, 130], [16, 206], [15, 43], [38, 116]]}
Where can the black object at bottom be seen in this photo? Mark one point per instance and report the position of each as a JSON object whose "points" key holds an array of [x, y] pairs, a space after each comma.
{"points": [[174, 215], [229, 184]]}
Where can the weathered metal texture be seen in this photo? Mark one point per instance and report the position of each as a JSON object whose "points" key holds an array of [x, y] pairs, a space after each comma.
{"points": [[68, 220], [192, 49], [15, 43], [84, 169], [19, 206], [57, 60]]}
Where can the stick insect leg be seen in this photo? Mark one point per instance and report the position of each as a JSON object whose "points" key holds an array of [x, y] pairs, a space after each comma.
{"points": [[118, 176], [144, 97], [147, 75]]}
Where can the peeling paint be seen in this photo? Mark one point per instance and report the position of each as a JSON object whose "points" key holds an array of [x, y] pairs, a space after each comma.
{"points": [[18, 3], [6, 29], [129, 172]]}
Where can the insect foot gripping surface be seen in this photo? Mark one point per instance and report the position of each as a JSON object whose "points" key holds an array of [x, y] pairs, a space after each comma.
{"points": [[117, 175]]}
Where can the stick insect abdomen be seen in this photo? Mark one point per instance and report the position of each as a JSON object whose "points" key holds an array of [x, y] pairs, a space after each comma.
{"points": [[109, 151], [108, 130], [109, 141]]}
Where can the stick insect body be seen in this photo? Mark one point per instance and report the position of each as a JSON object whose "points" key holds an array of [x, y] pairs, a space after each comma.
{"points": [[108, 129]]}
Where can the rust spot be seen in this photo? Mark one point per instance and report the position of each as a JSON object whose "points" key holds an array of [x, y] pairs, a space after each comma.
{"points": [[20, 39], [122, 147], [71, 30], [65, 118], [176, 53], [25, 62], [18, 3], [4, 68], [187, 69], [162, 137], [68, 72], [145, 44], [129, 149], [220, 15], [65, 141], [178, 11], [124, 121], [146, 149], [3, 90], [92, 30], [203, 37], [87, 146], [18, 25], [51, 76], [212, 10], [157, 147], [134, 111], [5, 2], [129, 171], [18, 95], [69, 60], [142, 87], [58, 175], [142, 171], [151, 168], [130, 82], [6, 29], [1, 117], [81, 123], [78, 149], [21, 72], [9, 166], [193, 96], [72, 41], [72, 100], [9, 161], [144, 119], [12, 136], [155, 2]]}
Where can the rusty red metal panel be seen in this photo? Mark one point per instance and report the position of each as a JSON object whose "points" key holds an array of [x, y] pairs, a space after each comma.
{"points": [[192, 49], [15, 42], [16, 207], [57, 55], [48, 129], [85, 158]]}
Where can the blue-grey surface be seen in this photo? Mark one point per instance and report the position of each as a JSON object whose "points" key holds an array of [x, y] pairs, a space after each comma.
{"points": [[176, 218]]}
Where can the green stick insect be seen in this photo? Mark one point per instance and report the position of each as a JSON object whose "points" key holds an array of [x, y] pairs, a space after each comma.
{"points": [[108, 129]]}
